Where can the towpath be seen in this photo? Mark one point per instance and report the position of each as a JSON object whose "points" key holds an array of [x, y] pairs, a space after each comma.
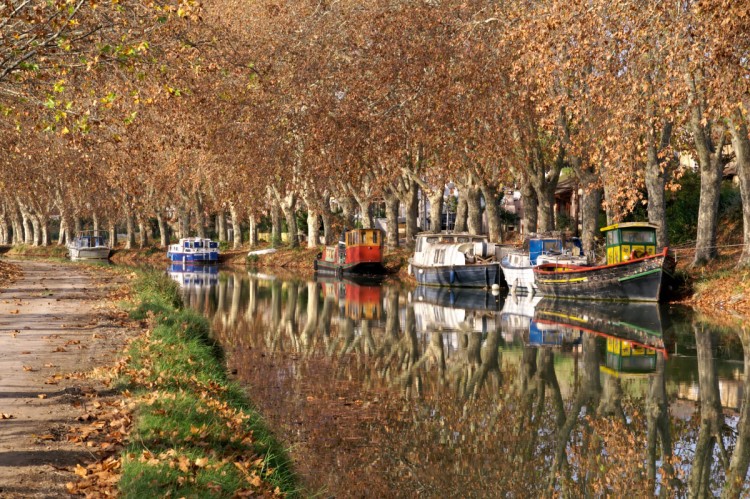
{"points": [[56, 323]]}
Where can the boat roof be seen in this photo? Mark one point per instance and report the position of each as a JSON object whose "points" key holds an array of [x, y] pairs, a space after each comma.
{"points": [[630, 225], [451, 234]]}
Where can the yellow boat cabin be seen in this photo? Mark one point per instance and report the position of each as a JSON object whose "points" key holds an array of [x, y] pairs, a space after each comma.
{"points": [[629, 241]]}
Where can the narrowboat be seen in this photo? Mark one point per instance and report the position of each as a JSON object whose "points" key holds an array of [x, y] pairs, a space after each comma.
{"points": [[89, 245], [460, 260], [518, 266], [360, 251], [194, 249], [634, 271]]}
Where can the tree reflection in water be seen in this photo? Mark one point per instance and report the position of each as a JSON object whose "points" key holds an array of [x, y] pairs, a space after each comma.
{"points": [[373, 399]]}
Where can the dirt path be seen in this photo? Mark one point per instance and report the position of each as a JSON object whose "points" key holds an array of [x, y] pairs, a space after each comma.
{"points": [[54, 326]]}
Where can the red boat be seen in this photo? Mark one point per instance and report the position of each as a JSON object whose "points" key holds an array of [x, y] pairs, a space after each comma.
{"points": [[360, 251]]}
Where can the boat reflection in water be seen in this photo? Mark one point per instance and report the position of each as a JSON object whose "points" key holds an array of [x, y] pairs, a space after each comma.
{"points": [[357, 299], [452, 312], [633, 331], [194, 275]]}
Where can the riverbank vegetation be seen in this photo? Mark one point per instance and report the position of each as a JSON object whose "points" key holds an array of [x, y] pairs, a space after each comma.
{"points": [[175, 118], [193, 434]]}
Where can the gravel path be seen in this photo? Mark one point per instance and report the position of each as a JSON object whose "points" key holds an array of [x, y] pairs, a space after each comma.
{"points": [[56, 323]]}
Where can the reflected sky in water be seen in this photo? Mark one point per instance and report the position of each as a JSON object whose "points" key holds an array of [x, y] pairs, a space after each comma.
{"points": [[379, 390]]}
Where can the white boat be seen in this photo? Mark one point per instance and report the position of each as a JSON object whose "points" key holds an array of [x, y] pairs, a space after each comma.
{"points": [[194, 249], [461, 260], [89, 245], [518, 266]]}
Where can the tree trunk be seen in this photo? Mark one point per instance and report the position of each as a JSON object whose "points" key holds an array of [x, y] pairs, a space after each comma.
{"points": [[44, 224], [17, 226], [221, 225], [28, 234], [436, 210], [328, 236], [347, 203], [36, 227], [163, 229], [183, 222], [142, 234], [313, 230], [95, 220], [656, 178], [129, 231], [391, 215], [529, 205], [275, 225], [741, 146], [252, 231], [711, 162], [236, 229], [4, 229], [462, 211], [410, 200], [61, 236], [591, 203], [474, 210], [77, 225], [112, 234], [292, 227], [492, 210]]}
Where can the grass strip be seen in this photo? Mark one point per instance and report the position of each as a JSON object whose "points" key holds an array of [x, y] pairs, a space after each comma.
{"points": [[195, 434]]}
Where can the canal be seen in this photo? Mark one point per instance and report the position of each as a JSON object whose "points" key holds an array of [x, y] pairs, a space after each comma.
{"points": [[385, 391]]}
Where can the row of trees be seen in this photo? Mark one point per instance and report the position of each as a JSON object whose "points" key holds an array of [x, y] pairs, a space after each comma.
{"points": [[125, 112]]}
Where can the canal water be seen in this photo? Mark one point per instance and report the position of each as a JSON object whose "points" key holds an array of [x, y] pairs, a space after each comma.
{"points": [[385, 391]]}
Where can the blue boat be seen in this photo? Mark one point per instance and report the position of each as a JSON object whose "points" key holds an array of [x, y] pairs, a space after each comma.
{"points": [[194, 249]]}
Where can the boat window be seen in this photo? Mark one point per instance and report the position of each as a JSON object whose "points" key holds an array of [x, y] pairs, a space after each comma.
{"points": [[439, 256], [198, 244], [551, 246], [187, 244], [612, 238], [375, 237], [419, 244], [462, 239], [637, 236], [432, 240]]}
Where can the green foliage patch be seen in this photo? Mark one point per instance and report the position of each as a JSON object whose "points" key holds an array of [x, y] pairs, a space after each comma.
{"points": [[195, 434]]}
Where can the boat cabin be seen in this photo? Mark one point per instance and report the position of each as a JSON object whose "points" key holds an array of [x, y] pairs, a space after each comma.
{"points": [[629, 241], [435, 250], [90, 241], [538, 246], [356, 246]]}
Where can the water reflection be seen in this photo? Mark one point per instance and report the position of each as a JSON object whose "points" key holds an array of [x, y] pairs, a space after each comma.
{"points": [[383, 391]]}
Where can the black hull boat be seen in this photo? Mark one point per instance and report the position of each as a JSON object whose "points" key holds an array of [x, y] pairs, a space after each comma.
{"points": [[640, 279], [474, 276]]}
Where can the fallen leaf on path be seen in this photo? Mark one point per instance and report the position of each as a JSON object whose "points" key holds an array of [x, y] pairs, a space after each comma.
{"points": [[4, 415], [14, 312], [25, 353], [59, 349], [50, 365], [46, 436], [42, 395], [29, 368]]}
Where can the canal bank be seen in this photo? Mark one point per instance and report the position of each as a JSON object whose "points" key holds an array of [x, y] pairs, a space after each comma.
{"points": [[77, 417]]}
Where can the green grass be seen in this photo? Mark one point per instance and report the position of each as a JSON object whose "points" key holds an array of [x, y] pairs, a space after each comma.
{"points": [[195, 433]]}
